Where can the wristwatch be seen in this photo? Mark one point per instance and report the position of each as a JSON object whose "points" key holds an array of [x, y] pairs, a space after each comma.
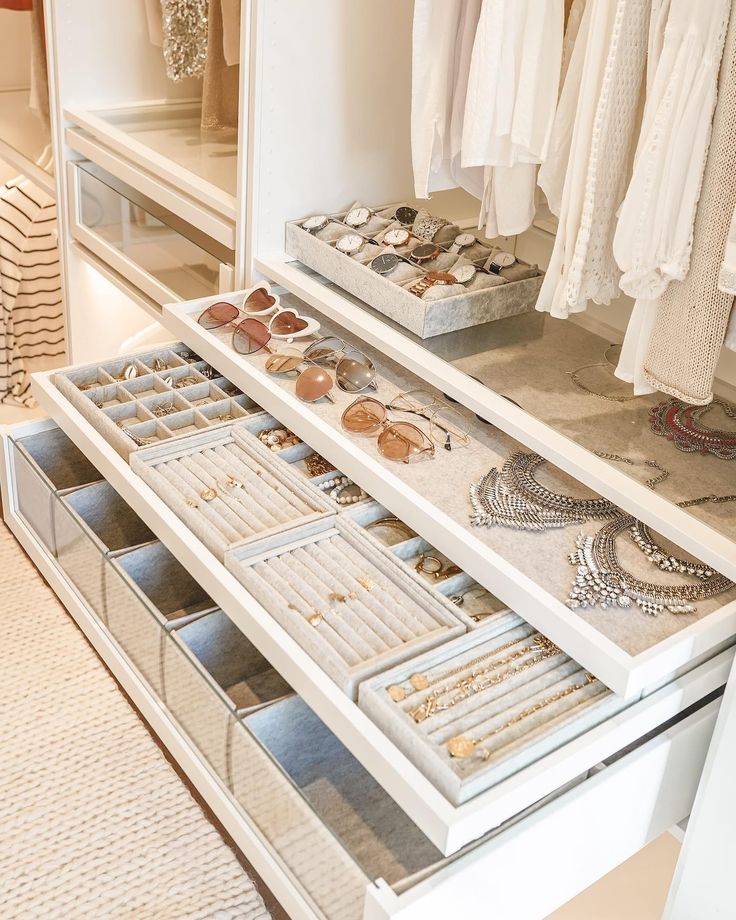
{"points": [[462, 241], [385, 263], [429, 280], [501, 260], [406, 215], [397, 237], [349, 244], [425, 252], [428, 226], [316, 223], [357, 217], [464, 273]]}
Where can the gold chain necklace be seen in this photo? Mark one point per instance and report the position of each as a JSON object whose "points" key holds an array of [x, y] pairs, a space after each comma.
{"points": [[470, 685], [461, 746]]}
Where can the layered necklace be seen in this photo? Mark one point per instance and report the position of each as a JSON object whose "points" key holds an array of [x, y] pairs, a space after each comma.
{"points": [[512, 497], [684, 426]]}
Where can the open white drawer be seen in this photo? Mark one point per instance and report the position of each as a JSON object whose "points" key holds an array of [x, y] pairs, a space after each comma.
{"points": [[529, 571], [324, 835], [448, 827]]}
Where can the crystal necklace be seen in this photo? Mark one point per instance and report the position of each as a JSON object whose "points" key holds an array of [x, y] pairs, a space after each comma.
{"points": [[512, 497], [602, 581], [683, 425]]}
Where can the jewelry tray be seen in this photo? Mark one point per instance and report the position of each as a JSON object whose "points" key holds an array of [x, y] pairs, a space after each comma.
{"points": [[424, 317], [278, 499], [114, 399], [293, 576], [515, 747]]}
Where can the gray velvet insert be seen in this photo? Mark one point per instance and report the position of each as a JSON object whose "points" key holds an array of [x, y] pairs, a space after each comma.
{"points": [[367, 611], [255, 493], [442, 310], [522, 691], [124, 410]]}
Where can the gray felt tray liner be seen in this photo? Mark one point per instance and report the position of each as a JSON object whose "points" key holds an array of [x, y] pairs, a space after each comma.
{"points": [[273, 497], [425, 318], [295, 575], [114, 405], [515, 747]]}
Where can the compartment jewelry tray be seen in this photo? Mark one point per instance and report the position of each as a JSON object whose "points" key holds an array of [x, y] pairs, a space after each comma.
{"points": [[479, 292], [140, 399]]}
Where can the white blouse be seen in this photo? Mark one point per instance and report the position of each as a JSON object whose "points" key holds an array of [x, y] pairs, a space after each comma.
{"points": [[654, 234], [442, 41], [510, 104], [599, 110]]}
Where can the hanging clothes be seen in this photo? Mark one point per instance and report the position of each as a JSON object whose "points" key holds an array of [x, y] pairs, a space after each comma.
{"points": [[220, 89], [39, 96], [441, 49], [654, 234], [32, 335], [692, 315], [510, 104], [611, 81], [184, 37], [572, 27]]}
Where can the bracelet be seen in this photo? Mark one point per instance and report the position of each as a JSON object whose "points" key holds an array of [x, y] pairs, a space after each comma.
{"points": [[394, 522]]}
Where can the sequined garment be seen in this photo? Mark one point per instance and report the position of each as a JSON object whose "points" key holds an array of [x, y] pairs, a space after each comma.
{"points": [[185, 37]]}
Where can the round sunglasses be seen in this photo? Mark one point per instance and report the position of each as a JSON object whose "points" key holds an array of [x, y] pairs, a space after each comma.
{"points": [[354, 371]]}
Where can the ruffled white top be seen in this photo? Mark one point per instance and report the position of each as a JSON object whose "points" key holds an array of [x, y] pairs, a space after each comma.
{"points": [[654, 234]]}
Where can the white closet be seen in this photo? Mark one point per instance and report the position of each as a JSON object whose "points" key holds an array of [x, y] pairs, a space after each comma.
{"points": [[159, 219]]}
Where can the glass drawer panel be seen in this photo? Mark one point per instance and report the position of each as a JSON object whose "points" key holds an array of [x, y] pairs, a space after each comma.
{"points": [[45, 463], [162, 245], [89, 523]]}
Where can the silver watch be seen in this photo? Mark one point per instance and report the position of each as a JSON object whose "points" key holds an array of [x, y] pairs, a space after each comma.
{"points": [[349, 244], [462, 241], [500, 260], [316, 223], [357, 217]]}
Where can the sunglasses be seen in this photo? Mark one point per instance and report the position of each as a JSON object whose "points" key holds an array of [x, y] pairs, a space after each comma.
{"points": [[250, 334], [399, 441], [354, 371], [447, 426], [312, 383]]}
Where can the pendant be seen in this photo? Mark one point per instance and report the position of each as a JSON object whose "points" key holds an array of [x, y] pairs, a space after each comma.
{"points": [[397, 693], [460, 746]]}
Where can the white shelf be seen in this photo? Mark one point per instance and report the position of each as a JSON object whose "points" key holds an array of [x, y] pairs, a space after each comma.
{"points": [[682, 527], [23, 139], [166, 140], [448, 827]]}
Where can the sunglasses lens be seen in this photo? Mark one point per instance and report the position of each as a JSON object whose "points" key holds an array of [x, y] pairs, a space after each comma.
{"points": [[313, 384], [354, 372], [282, 364], [287, 323], [448, 428], [364, 416], [258, 301], [413, 400], [401, 441], [250, 336], [324, 348], [219, 314]]}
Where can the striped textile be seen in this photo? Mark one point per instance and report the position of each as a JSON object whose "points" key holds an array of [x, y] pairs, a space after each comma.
{"points": [[32, 335]]}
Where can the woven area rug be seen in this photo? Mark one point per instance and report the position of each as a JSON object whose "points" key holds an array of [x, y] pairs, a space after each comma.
{"points": [[94, 822]]}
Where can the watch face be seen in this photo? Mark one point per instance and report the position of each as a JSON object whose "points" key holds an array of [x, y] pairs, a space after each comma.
{"points": [[315, 223], [503, 259], [424, 252], [406, 215], [357, 217], [350, 243], [385, 263], [464, 239], [396, 237], [464, 273]]}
